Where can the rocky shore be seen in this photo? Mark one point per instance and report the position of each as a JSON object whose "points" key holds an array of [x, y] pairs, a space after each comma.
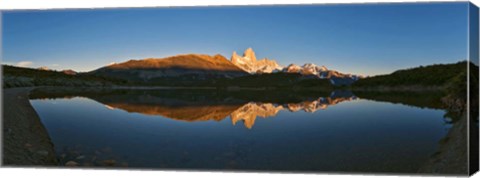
{"points": [[452, 154], [25, 139]]}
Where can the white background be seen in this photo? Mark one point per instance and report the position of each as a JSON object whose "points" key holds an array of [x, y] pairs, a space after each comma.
{"points": [[87, 173]]}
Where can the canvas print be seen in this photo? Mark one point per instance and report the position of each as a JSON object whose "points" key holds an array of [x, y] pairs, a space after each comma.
{"points": [[385, 88]]}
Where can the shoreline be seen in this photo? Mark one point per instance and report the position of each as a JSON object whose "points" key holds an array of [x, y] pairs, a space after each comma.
{"points": [[25, 140], [451, 157]]}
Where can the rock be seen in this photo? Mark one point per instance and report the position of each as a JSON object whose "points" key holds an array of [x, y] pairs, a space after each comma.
{"points": [[250, 54], [71, 164], [42, 152]]}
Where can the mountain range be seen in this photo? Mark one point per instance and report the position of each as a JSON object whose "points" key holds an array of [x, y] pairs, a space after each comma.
{"points": [[249, 63], [197, 70], [206, 67]]}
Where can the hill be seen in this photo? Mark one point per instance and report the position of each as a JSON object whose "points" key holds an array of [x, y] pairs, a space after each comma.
{"points": [[432, 76], [449, 81], [25, 77]]}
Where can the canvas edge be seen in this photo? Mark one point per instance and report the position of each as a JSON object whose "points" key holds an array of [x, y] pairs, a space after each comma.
{"points": [[473, 53]]}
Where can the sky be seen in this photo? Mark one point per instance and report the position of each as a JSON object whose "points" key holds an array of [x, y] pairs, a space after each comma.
{"points": [[366, 39]]}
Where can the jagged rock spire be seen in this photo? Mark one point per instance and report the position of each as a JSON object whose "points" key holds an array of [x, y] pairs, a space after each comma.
{"points": [[249, 63], [250, 54]]}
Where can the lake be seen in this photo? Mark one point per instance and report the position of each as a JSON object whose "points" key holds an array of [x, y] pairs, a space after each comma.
{"points": [[335, 131]]}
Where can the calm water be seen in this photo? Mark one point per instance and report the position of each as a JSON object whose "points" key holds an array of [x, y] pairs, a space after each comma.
{"points": [[189, 130]]}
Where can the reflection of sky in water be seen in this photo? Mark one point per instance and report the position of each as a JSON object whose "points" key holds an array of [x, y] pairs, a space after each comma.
{"points": [[359, 135]]}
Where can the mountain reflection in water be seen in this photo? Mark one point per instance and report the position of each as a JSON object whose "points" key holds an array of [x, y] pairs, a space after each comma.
{"points": [[310, 130], [178, 105], [250, 111]]}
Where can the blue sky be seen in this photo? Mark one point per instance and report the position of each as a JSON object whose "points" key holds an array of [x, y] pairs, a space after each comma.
{"points": [[364, 39]]}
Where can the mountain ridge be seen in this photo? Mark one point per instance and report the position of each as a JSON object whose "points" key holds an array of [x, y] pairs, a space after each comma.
{"points": [[249, 63], [200, 66]]}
